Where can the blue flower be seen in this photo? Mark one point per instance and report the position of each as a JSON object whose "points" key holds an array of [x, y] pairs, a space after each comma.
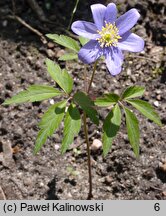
{"points": [[109, 36]]}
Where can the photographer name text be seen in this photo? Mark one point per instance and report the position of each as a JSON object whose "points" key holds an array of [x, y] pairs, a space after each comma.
{"points": [[67, 207]]}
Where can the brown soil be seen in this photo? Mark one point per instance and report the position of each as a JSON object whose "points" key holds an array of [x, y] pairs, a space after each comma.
{"points": [[48, 175]]}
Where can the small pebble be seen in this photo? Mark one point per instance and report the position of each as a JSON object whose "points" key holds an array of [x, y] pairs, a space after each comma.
{"points": [[30, 60], [27, 181], [133, 79], [52, 101], [158, 91], [108, 179], [56, 146], [158, 97], [116, 91], [50, 53], [38, 65], [41, 184], [50, 45], [19, 175], [73, 159], [146, 93], [97, 144], [156, 103], [60, 53], [5, 23], [93, 85], [69, 195], [128, 71]]}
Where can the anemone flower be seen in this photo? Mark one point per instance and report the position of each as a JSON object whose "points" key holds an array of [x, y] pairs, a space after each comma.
{"points": [[109, 36]]}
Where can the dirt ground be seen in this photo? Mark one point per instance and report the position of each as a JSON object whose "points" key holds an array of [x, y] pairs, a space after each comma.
{"points": [[48, 175]]}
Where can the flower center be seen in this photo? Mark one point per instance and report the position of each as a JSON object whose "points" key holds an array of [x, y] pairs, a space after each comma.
{"points": [[109, 35]]}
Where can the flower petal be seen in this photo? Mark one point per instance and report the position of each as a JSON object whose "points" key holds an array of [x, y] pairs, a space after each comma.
{"points": [[90, 52], [111, 13], [125, 22], [85, 29], [131, 42], [98, 12], [114, 60]]}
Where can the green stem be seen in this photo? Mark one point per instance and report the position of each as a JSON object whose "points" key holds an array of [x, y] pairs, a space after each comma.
{"points": [[121, 104], [90, 195], [89, 159], [73, 12], [85, 80], [92, 77]]}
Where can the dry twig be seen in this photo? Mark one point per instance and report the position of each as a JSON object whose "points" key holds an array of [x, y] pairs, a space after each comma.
{"points": [[39, 12], [20, 20], [2, 195], [37, 9]]}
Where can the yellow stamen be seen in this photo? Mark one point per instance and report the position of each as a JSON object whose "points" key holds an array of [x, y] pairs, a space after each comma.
{"points": [[109, 35]]}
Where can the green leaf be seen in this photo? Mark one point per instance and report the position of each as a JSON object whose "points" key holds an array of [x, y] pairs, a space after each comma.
{"points": [[72, 126], [65, 41], [83, 40], [107, 100], [87, 105], [110, 128], [132, 130], [133, 91], [146, 109], [62, 77], [41, 139], [34, 93], [68, 56], [49, 123]]}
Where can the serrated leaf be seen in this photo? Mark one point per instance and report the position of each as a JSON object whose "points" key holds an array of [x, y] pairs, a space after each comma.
{"points": [[34, 93], [65, 41], [49, 123], [87, 105], [68, 56], [83, 40], [53, 116], [110, 128], [61, 77], [133, 91], [146, 109], [132, 130], [72, 126], [107, 100], [40, 140]]}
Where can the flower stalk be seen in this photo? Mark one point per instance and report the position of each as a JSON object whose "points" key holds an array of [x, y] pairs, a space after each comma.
{"points": [[92, 77], [90, 195]]}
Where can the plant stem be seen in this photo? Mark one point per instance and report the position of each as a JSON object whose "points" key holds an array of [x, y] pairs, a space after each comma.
{"points": [[89, 159], [85, 80], [92, 77], [90, 195], [72, 15]]}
